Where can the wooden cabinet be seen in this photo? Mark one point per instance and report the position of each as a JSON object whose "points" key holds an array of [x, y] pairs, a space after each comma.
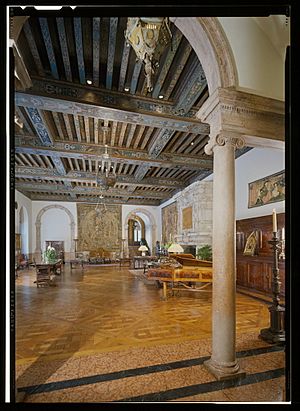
{"points": [[255, 272]]}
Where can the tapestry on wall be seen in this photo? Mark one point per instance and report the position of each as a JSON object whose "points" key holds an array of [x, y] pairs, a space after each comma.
{"points": [[169, 223], [267, 190], [99, 229]]}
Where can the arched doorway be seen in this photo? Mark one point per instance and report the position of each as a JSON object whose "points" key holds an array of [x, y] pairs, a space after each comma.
{"points": [[38, 225], [143, 217]]}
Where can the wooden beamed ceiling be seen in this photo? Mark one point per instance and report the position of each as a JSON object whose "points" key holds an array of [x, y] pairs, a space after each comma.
{"points": [[155, 142]]}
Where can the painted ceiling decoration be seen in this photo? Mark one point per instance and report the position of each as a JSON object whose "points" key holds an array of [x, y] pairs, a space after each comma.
{"points": [[89, 95]]}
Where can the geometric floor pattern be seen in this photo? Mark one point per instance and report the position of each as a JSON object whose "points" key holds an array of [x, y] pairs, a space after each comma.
{"points": [[106, 319]]}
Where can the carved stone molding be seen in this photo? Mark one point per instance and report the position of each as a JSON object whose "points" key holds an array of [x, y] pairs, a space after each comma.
{"points": [[206, 36], [38, 224], [231, 111], [235, 140]]}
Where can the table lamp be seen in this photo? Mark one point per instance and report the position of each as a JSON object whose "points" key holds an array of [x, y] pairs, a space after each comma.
{"points": [[143, 249]]}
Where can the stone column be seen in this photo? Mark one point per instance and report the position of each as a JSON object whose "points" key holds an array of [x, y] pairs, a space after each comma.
{"points": [[223, 363]]}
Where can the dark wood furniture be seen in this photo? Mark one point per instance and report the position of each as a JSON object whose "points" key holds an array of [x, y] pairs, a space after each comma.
{"points": [[140, 261], [254, 273], [43, 274], [76, 262]]}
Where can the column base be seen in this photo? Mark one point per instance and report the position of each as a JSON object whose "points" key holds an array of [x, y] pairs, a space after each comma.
{"points": [[272, 336], [223, 371]]}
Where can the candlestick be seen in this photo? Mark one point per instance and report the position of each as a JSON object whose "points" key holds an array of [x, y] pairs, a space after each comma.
{"points": [[274, 221], [282, 234], [276, 332]]}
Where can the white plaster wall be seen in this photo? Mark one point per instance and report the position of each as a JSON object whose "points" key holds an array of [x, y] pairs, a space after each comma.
{"points": [[253, 165], [260, 67], [55, 223], [26, 203]]}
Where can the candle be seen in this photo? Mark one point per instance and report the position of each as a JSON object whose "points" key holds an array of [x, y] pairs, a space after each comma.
{"points": [[274, 221], [282, 234]]}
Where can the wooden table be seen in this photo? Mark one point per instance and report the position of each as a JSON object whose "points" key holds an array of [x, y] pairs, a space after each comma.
{"points": [[140, 261], [53, 266], [76, 262]]}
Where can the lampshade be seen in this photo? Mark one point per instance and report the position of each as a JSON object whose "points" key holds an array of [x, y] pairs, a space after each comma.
{"points": [[175, 248], [143, 248]]}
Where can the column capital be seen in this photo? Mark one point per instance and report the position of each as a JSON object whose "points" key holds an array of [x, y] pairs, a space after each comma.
{"points": [[223, 139]]}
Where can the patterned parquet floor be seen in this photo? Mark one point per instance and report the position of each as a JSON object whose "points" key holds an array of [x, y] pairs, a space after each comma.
{"points": [[105, 334], [107, 309]]}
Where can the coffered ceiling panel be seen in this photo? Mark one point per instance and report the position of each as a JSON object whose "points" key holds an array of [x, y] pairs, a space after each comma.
{"points": [[89, 95]]}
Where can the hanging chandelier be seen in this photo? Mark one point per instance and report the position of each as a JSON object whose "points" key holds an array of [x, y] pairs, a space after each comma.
{"points": [[106, 174], [148, 36]]}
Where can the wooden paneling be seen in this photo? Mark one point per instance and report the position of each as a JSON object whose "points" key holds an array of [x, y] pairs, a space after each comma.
{"points": [[255, 272]]}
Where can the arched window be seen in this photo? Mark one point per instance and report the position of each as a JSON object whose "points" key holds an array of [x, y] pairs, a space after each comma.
{"points": [[137, 231]]}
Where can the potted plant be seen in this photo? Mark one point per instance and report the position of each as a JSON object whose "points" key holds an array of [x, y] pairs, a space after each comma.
{"points": [[204, 252], [49, 255]]}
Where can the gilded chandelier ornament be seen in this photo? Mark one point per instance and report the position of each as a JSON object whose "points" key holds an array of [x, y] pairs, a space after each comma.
{"points": [[148, 36]]}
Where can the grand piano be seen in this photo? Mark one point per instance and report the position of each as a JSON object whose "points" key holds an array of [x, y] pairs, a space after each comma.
{"points": [[181, 271]]}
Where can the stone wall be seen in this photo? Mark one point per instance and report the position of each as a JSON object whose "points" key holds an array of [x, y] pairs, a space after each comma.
{"points": [[194, 211]]}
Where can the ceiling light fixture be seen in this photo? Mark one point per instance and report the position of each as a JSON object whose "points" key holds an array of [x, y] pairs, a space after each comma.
{"points": [[192, 143], [160, 96], [89, 81], [148, 36], [106, 175], [126, 88]]}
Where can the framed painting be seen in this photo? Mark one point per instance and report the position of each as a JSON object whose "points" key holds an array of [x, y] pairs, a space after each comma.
{"points": [[251, 244], [187, 218], [267, 190]]}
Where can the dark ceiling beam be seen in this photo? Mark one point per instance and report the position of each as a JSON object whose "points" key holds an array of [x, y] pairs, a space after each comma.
{"points": [[113, 24], [178, 70], [126, 156], [64, 47], [160, 142], [96, 50], [124, 65], [39, 126], [41, 173], [49, 46], [100, 112], [167, 64], [196, 85], [79, 49], [92, 200], [135, 77], [104, 98], [33, 48], [117, 192]]}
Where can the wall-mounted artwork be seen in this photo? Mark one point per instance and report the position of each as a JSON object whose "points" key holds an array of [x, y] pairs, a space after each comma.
{"points": [[169, 223], [251, 244], [267, 190], [99, 228], [187, 218]]}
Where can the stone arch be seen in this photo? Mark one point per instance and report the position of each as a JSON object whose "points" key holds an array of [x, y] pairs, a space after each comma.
{"points": [[151, 218], [209, 41], [38, 223]]}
